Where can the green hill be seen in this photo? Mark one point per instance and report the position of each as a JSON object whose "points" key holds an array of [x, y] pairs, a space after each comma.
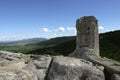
{"points": [[110, 45], [21, 45], [64, 48], [29, 45], [55, 41]]}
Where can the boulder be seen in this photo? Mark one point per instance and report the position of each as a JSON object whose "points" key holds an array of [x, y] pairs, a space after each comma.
{"points": [[66, 68], [39, 65], [115, 77], [18, 66]]}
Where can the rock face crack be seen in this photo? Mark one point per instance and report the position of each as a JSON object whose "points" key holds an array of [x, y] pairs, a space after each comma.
{"points": [[48, 69]]}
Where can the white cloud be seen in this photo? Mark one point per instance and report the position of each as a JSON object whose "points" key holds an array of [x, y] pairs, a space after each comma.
{"points": [[54, 34], [71, 28], [4, 38], [60, 29], [101, 27], [12, 38], [44, 30]]}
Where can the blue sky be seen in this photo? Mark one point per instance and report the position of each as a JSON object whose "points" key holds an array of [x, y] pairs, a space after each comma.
{"points": [[21, 19]]}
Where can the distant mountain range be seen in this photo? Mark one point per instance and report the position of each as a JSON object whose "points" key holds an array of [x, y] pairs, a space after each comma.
{"points": [[109, 45], [22, 42]]}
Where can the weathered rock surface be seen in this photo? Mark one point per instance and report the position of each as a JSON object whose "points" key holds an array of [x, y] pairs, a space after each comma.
{"points": [[16, 74], [12, 70], [115, 77], [110, 65], [65, 68], [37, 67], [17, 66]]}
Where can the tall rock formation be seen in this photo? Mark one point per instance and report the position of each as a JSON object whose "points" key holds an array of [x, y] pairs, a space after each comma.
{"points": [[87, 45], [87, 37]]}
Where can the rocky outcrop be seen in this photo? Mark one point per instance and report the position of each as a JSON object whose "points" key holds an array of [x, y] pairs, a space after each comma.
{"points": [[44, 67], [11, 67], [87, 45], [87, 42], [17, 66], [66, 68]]}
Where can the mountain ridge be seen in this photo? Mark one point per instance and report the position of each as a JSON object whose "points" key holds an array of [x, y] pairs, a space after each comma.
{"points": [[30, 40]]}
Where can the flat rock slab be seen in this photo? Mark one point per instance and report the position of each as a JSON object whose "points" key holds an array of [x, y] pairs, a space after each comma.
{"points": [[66, 68]]}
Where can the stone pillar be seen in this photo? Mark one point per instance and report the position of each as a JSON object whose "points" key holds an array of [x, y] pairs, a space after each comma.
{"points": [[87, 42]]}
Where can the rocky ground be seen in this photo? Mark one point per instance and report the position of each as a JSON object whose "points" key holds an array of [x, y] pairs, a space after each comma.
{"points": [[18, 66]]}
